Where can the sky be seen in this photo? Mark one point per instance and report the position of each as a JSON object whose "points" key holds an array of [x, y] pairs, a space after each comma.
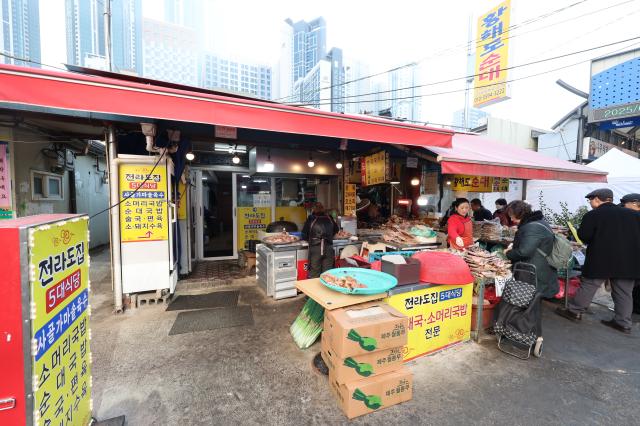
{"points": [[386, 34]]}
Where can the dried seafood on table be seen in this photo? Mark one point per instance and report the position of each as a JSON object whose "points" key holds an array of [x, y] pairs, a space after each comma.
{"points": [[342, 235], [281, 238], [346, 281], [484, 264]]}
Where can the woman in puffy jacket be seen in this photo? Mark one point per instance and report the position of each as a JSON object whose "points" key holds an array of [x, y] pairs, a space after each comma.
{"points": [[533, 237], [459, 225]]}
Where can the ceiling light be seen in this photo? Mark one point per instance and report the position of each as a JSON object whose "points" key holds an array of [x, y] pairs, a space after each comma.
{"points": [[204, 178], [415, 182], [395, 182], [423, 200], [243, 186], [268, 165], [190, 156], [246, 176], [338, 165], [311, 163], [235, 159], [448, 182]]}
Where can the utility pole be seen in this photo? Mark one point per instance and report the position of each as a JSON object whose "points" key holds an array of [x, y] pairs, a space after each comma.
{"points": [[581, 117], [107, 33]]}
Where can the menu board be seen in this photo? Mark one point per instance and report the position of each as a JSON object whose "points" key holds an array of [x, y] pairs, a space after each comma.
{"points": [[349, 199], [467, 183], [251, 220], [374, 168]]}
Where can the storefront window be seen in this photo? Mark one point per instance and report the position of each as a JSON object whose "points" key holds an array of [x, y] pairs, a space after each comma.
{"points": [[293, 198], [254, 207]]}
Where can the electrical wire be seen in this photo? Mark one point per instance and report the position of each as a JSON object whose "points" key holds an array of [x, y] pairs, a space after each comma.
{"points": [[467, 77], [465, 46], [146, 179]]}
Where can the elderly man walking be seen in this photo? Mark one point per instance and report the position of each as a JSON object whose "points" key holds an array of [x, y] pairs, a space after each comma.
{"points": [[612, 235]]}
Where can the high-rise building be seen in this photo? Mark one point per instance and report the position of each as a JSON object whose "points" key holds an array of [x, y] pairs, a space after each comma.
{"points": [[323, 87], [86, 34], [404, 97], [282, 72], [358, 88], [337, 80], [168, 52], [234, 76], [186, 13], [20, 36], [307, 45], [477, 118]]}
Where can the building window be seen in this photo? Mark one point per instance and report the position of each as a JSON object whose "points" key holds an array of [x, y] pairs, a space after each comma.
{"points": [[46, 186]]}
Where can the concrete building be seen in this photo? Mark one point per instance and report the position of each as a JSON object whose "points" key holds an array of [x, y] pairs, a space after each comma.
{"points": [[20, 35], [357, 86], [308, 47], [86, 34], [477, 118], [323, 87], [235, 76], [168, 52], [282, 72], [511, 133], [406, 102]]}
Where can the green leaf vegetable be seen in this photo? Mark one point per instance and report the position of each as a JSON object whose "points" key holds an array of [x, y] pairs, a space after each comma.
{"points": [[308, 325], [362, 368], [366, 343], [371, 401]]}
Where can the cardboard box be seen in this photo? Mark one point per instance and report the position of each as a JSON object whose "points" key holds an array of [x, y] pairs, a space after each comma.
{"points": [[374, 393], [364, 328], [362, 366]]}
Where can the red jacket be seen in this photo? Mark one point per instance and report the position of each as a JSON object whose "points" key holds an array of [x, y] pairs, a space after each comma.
{"points": [[458, 226]]}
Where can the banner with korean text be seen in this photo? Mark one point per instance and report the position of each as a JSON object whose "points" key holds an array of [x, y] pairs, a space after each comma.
{"points": [[492, 56], [59, 281]]}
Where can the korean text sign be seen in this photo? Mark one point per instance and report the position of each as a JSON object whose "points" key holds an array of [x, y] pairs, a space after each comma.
{"points": [[349, 199], [492, 56], [143, 213], [375, 168], [439, 316], [250, 221], [5, 181], [59, 281], [467, 183]]}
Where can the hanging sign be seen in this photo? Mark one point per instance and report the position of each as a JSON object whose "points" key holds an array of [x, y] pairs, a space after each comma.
{"points": [[492, 56], [467, 183], [143, 203], [412, 162], [439, 316], [182, 200], [59, 281], [5, 180], [349, 208], [251, 220], [226, 132], [374, 168]]}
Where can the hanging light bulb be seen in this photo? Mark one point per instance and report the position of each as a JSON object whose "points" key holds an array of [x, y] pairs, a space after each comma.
{"points": [[311, 163], [268, 165], [235, 159], [338, 165], [190, 156], [415, 181]]}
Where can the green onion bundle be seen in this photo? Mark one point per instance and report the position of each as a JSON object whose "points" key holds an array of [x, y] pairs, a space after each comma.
{"points": [[308, 325]]}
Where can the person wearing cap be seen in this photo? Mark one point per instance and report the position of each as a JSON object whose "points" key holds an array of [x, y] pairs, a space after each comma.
{"points": [[632, 201], [612, 236]]}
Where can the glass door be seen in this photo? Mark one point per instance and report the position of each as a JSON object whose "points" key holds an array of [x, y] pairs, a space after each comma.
{"points": [[216, 234], [254, 208]]}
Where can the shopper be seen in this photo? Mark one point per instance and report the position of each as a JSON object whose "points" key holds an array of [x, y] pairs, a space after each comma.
{"points": [[459, 225], [501, 212], [533, 241], [612, 235], [480, 213], [319, 230], [632, 201]]}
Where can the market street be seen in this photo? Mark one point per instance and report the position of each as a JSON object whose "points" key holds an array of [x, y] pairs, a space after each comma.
{"points": [[588, 374]]}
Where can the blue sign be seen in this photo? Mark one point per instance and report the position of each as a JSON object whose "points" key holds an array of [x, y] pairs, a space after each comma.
{"points": [[619, 123]]}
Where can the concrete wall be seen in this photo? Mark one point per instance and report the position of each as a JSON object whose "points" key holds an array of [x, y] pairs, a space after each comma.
{"points": [[92, 196], [509, 132]]}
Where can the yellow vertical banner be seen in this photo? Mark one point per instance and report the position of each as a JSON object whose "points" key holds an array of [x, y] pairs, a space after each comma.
{"points": [[439, 316], [375, 168], [143, 203], [59, 281], [182, 200], [349, 199], [492, 56], [251, 220]]}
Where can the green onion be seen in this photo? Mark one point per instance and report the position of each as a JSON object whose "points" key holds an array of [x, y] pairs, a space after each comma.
{"points": [[308, 325]]}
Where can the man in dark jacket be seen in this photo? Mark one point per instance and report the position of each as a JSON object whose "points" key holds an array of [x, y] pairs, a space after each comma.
{"points": [[480, 213], [612, 235], [319, 230], [533, 237], [632, 201]]}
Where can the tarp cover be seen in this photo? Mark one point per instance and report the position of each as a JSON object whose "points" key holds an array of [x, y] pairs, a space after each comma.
{"points": [[112, 99], [481, 156]]}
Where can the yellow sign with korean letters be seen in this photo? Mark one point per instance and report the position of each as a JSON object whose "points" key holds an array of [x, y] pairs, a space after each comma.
{"points": [[182, 201], [467, 183], [349, 199], [492, 56], [143, 203], [251, 220], [439, 316], [375, 168], [59, 280]]}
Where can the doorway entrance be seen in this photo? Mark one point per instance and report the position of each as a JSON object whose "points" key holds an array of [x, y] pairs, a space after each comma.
{"points": [[215, 211]]}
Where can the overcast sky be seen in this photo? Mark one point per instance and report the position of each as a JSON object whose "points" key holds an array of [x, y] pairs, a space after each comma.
{"points": [[386, 34]]}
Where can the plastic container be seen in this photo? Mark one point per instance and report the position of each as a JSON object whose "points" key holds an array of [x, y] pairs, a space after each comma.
{"points": [[406, 274], [443, 268], [487, 316]]}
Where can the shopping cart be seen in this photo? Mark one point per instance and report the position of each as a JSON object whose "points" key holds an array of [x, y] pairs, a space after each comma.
{"points": [[518, 316]]}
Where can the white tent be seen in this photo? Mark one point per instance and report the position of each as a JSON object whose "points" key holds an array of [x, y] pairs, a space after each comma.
{"points": [[623, 178]]}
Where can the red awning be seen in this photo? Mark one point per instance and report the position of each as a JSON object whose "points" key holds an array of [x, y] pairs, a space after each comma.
{"points": [[73, 94], [480, 156]]}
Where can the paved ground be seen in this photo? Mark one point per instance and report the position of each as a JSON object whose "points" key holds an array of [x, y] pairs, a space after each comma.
{"points": [[256, 375]]}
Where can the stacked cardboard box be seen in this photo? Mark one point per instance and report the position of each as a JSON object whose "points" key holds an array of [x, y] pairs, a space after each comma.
{"points": [[362, 346]]}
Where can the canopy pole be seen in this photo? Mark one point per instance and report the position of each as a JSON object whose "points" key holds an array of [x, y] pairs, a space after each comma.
{"points": [[114, 214], [524, 189]]}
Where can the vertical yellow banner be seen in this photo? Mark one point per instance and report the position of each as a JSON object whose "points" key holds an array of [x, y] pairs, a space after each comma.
{"points": [[492, 56], [349, 201], [59, 278]]}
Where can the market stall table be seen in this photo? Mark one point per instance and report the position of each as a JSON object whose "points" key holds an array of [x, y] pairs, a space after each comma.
{"points": [[330, 299]]}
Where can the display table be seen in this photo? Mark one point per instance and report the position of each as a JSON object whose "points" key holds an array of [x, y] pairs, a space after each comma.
{"points": [[439, 316], [330, 299]]}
